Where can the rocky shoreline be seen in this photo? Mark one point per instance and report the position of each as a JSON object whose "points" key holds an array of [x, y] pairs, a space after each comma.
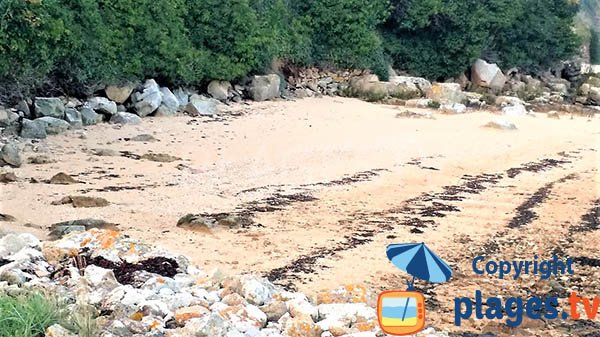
{"points": [[135, 289]]}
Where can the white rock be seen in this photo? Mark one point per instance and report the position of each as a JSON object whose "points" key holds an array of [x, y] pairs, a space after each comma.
{"points": [[100, 278], [515, 110], [102, 105], [125, 118], [256, 290], [147, 101], [487, 75], [264, 88], [302, 308], [454, 108], [219, 89]]}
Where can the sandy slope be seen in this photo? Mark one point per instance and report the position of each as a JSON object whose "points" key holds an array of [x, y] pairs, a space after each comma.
{"points": [[397, 167]]}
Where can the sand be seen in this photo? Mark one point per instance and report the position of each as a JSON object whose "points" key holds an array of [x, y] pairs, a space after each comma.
{"points": [[395, 170]]}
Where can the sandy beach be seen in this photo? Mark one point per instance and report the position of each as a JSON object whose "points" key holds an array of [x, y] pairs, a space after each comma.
{"points": [[328, 183]]}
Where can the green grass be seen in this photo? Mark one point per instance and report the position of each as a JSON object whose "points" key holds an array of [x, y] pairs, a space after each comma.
{"points": [[29, 315]]}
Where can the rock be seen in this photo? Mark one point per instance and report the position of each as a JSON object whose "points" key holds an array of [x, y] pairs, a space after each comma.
{"points": [[51, 107], [125, 118], [422, 103], [515, 110], [453, 108], [23, 106], [508, 100], [298, 327], [62, 178], [212, 325], [160, 157], [9, 177], [144, 138], [89, 116], [33, 129], [103, 152], [102, 105], [183, 315], [559, 87], [40, 159], [7, 218], [169, 105], [10, 155], [265, 87], [204, 222], [446, 93], [201, 106], [301, 308], [553, 114], [594, 95], [196, 222], [7, 117], [12, 244], [54, 126], [57, 330], [220, 90], [148, 100], [419, 83], [487, 75], [73, 117], [82, 202], [256, 290], [501, 124], [274, 310], [100, 278], [183, 96], [119, 93], [58, 230]]}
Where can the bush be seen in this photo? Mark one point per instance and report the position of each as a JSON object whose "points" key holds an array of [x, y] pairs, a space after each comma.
{"points": [[344, 33], [439, 39], [33, 36], [595, 47], [28, 315]]}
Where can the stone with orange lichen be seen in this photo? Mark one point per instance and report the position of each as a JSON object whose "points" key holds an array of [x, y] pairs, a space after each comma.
{"points": [[185, 314], [233, 299], [245, 314], [366, 326], [351, 293], [299, 327]]}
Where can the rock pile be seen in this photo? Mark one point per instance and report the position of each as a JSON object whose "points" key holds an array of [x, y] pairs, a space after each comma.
{"points": [[141, 290]]}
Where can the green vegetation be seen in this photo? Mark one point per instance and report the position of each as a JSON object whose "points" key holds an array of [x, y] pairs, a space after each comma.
{"points": [[31, 313], [28, 315], [76, 46], [595, 47]]}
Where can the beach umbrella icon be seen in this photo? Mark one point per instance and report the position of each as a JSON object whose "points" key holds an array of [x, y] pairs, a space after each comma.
{"points": [[419, 261]]}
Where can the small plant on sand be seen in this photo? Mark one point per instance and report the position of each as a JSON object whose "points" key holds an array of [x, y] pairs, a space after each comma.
{"points": [[29, 315], [434, 105]]}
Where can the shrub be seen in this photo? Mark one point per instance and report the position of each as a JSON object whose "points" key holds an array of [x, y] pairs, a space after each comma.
{"points": [[595, 47], [344, 33], [33, 36]]}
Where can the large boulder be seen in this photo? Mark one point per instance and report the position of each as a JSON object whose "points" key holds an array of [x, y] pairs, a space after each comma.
{"points": [[89, 116], [33, 129], [201, 106], [148, 99], [447, 93], [102, 105], [52, 107], [415, 82], [264, 87], [487, 75], [125, 118], [169, 105], [219, 89], [53, 125], [9, 122], [119, 93], [10, 155], [73, 117], [369, 87]]}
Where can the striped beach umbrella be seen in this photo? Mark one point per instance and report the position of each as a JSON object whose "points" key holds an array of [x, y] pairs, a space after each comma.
{"points": [[419, 261]]}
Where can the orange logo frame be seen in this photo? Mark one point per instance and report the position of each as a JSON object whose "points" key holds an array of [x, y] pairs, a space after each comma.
{"points": [[407, 329]]}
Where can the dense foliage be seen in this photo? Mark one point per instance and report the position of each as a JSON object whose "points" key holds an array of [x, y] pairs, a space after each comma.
{"points": [[78, 45], [595, 47]]}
